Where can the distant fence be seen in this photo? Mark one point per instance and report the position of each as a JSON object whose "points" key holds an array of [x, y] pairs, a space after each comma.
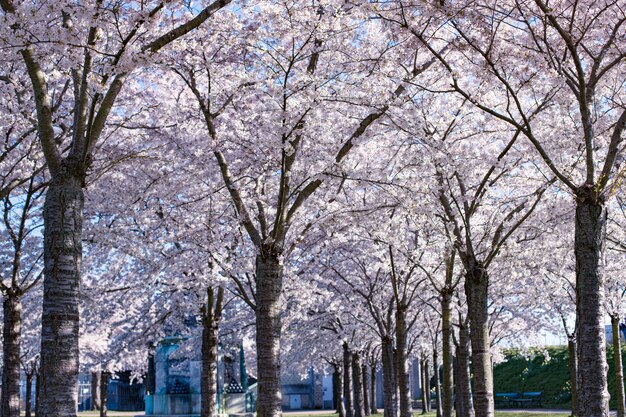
{"points": [[126, 397]]}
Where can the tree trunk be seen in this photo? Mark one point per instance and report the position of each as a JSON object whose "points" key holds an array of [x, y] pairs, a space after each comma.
{"points": [[63, 224], [37, 392], [402, 363], [373, 401], [394, 364], [463, 385], [458, 405], [427, 385], [269, 274], [437, 385], [366, 398], [347, 380], [619, 371], [590, 234], [476, 291], [389, 385], [151, 375], [338, 390], [211, 315], [95, 391], [423, 384], [29, 394], [447, 346], [357, 378], [104, 385], [573, 370], [12, 320]]}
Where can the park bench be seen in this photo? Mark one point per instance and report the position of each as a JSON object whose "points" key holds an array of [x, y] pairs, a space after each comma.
{"points": [[506, 398], [530, 399]]}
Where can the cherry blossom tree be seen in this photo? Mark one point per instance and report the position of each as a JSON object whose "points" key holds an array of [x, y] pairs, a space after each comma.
{"points": [[22, 186], [286, 74], [326, 169], [551, 49], [94, 48]]}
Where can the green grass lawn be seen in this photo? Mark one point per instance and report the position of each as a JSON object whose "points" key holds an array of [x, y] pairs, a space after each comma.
{"points": [[110, 413]]}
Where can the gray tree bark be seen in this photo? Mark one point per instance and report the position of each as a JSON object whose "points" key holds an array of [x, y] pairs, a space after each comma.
{"points": [[464, 386], [458, 406], [476, 291], [347, 380], [37, 393], [426, 385], [373, 405], [12, 320], [104, 386], [338, 389], [573, 371], [590, 233], [211, 317], [437, 384], [394, 364], [619, 370], [402, 362], [447, 346], [366, 399], [357, 378], [269, 284], [425, 389], [95, 391], [63, 220], [29, 395], [390, 400]]}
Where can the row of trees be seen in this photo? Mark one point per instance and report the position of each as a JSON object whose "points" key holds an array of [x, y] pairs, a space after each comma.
{"points": [[400, 178]]}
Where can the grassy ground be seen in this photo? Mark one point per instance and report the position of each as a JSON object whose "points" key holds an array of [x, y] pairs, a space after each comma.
{"points": [[111, 413]]}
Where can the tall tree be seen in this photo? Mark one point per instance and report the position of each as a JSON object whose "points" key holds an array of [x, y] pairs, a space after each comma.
{"points": [[292, 74], [575, 52], [108, 38], [22, 186]]}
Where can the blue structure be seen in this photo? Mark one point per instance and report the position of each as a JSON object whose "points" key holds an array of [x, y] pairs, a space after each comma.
{"points": [[174, 384]]}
